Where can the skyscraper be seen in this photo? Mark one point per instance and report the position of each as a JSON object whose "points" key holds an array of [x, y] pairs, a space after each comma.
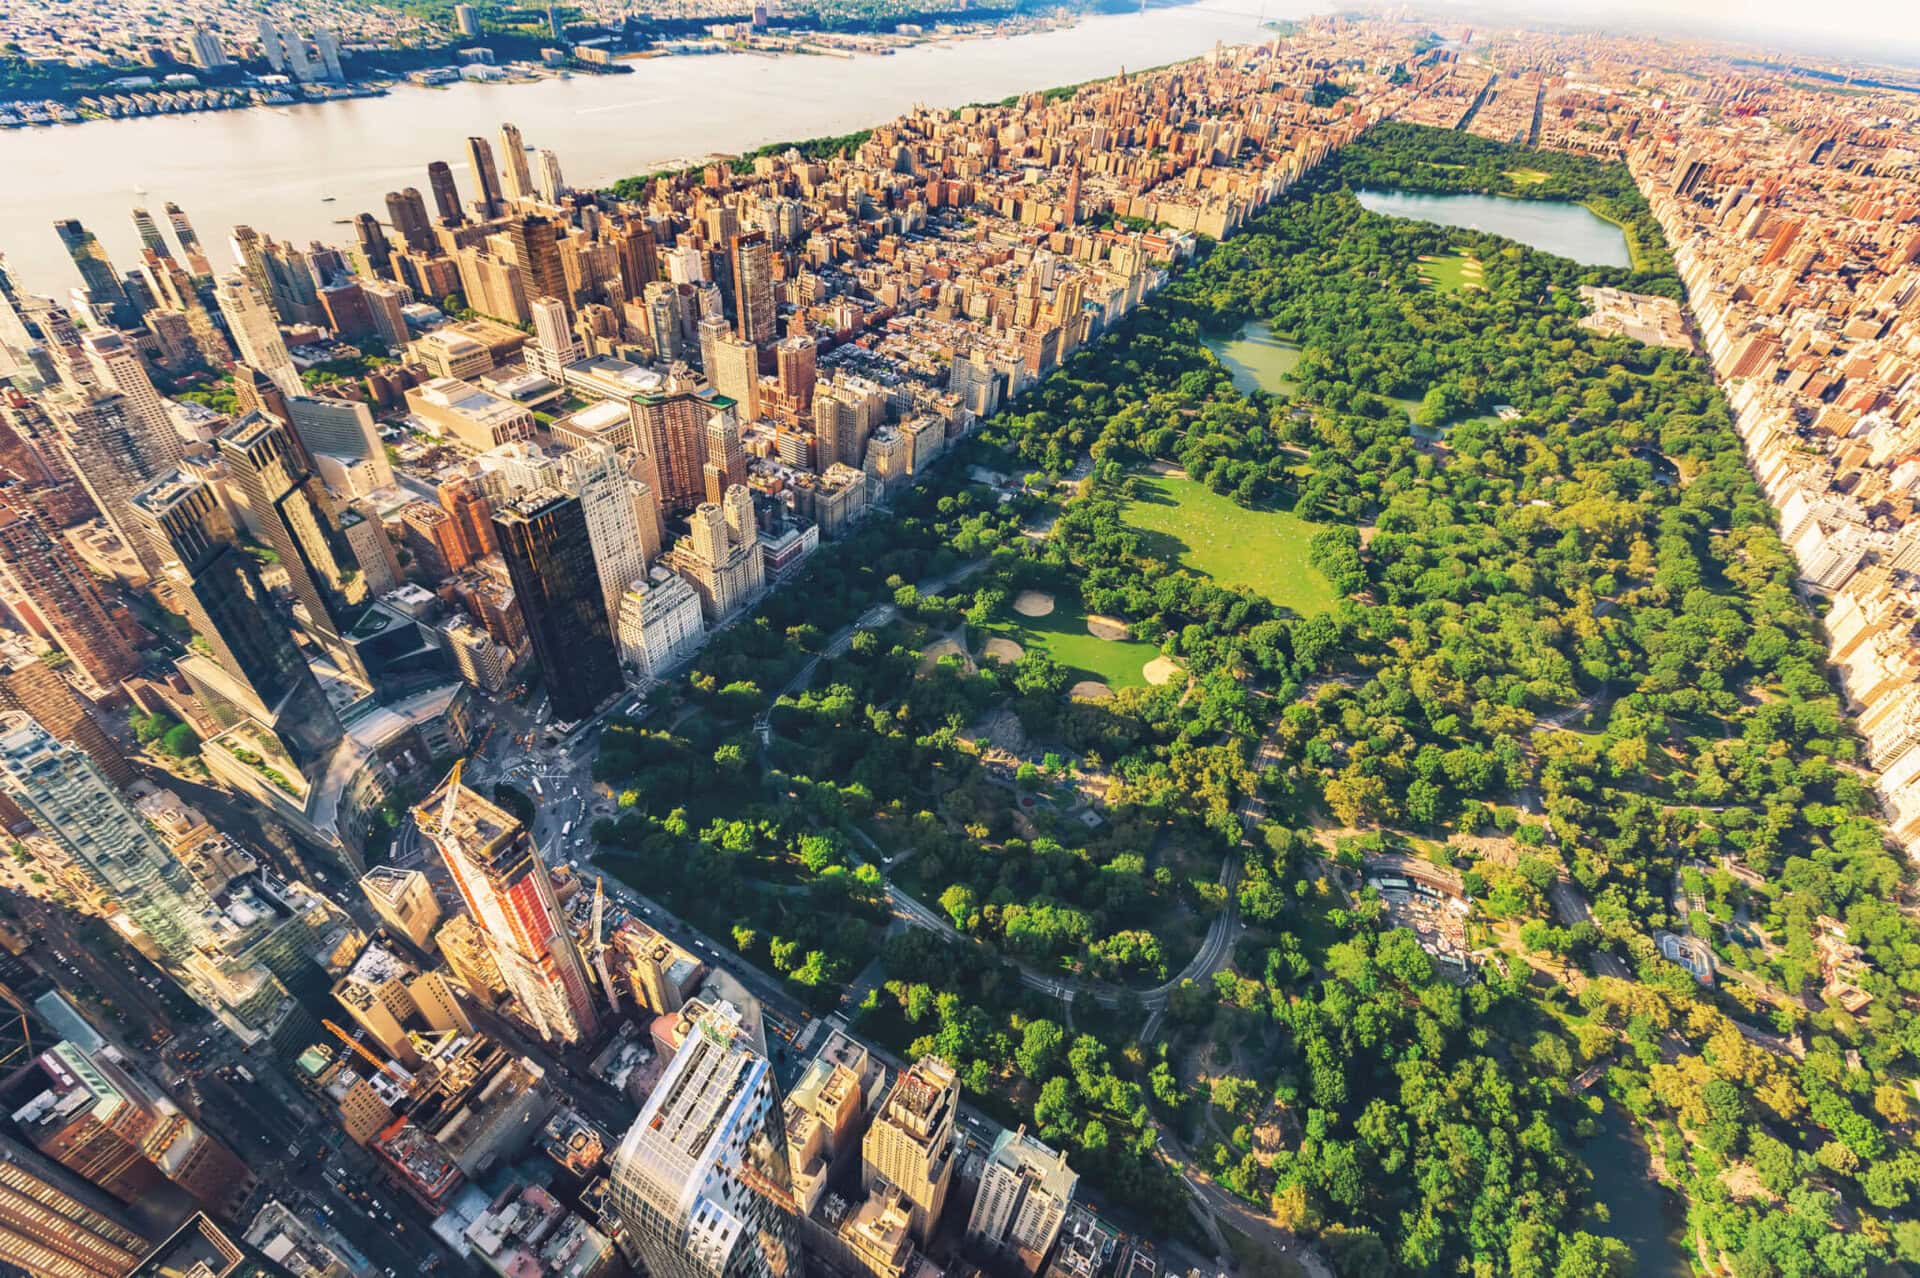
{"points": [[1024, 1193], [910, 1143], [53, 1222], [118, 367], [189, 242], [108, 450], [407, 211], [553, 346], [65, 598], [255, 333], [594, 474], [536, 257], [513, 159], [102, 282], [549, 552], [491, 201], [295, 515], [701, 1182], [795, 363], [149, 232], [259, 670], [753, 302], [546, 176], [373, 245], [446, 196], [509, 892], [32, 687], [108, 841]]}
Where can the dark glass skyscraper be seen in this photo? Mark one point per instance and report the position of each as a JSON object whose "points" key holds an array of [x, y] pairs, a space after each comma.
{"points": [[536, 259], [543, 537], [296, 517], [233, 617]]}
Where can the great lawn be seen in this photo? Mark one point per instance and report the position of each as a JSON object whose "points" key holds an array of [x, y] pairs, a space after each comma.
{"points": [[1265, 550]]}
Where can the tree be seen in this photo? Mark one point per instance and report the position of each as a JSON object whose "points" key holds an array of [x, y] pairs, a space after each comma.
{"points": [[958, 901], [1042, 1045], [179, 742]]}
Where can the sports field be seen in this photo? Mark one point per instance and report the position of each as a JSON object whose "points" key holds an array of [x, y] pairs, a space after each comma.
{"points": [[1264, 551], [1452, 273], [1063, 633]]}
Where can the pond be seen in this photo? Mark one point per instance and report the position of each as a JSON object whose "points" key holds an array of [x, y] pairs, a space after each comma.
{"points": [[1258, 359], [1552, 226], [1641, 1214]]}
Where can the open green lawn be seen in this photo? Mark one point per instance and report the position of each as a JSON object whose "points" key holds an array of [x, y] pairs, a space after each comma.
{"points": [[1063, 633], [1262, 550], [1526, 177], [1452, 273]]}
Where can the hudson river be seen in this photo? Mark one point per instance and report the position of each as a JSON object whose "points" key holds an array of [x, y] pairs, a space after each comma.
{"points": [[271, 167]]}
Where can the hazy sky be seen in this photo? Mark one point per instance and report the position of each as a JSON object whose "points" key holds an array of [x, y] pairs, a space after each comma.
{"points": [[1889, 29]]}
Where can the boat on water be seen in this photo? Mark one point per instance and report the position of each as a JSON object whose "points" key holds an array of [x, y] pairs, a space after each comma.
{"points": [[326, 199]]}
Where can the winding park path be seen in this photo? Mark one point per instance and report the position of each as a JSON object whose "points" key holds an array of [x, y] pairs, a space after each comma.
{"points": [[1211, 1203]]}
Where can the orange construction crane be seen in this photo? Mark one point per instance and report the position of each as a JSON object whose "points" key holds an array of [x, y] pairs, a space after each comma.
{"points": [[399, 1075]]}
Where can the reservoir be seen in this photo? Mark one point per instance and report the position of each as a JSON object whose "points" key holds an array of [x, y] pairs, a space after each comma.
{"points": [[1552, 226], [271, 168], [1258, 359]]}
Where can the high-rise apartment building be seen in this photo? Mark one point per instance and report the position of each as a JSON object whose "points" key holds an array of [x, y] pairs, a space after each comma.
{"points": [[446, 196], [701, 1183], [753, 295], [108, 449], [189, 241], [509, 892], [118, 367], [491, 201], [720, 556], [553, 346], [734, 370], [407, 211], [33, 687], [794, 364], [256, 333], [254, 669], [516, 179], [1023, 1197], [547, 181], [66, 600], [548, 548], [149, 232], [910, 1144], [56, 1225]]}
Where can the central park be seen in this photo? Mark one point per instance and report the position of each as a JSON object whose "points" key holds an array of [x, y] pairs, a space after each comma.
{"points": [[1193, 683]]}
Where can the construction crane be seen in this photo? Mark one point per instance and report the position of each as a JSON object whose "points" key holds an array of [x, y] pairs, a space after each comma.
{"points": [[398, 1074], [597, 942], [453, 795]]}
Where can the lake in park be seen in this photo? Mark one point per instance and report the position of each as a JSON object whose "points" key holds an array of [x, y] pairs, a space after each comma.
{"points": [[1552, 226], [1258, 359], [1640, 1213]]}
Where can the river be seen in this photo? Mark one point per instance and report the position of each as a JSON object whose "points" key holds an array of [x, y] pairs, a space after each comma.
{"points": [[1552, 226], [270, 167]]}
